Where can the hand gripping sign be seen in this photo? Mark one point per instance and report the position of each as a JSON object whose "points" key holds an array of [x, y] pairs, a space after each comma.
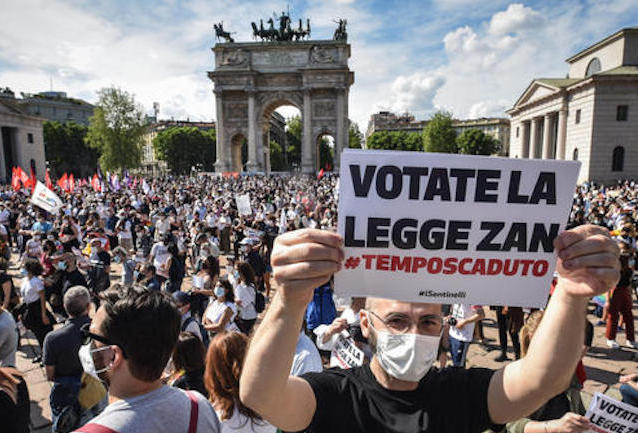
{"points": [[607, 415], [442, 228]]}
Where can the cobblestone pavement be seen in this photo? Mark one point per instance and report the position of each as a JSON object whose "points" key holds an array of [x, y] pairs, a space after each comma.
{"points": [[603, 366]]}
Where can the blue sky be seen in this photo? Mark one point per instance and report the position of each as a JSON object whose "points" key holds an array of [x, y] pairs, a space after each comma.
{"points": [[471, 57]]}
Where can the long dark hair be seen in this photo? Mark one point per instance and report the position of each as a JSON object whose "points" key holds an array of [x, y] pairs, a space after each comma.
{"points": [[229, 293], [188, 354], [246, 273]]}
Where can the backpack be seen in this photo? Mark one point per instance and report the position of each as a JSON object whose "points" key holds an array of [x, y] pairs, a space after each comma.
{"points": [[202, 331], [260, 301]]}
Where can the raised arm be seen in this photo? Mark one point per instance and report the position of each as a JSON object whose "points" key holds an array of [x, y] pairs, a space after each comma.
{"points": [[588, 265], [301, 260]]}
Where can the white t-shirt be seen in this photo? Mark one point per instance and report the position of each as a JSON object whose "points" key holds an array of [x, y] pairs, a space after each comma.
{"points": [[307, 358], [33, 248], [216, 310], [30, 289], [193, 326], [239, 423], [246, 295], [462, 312]]}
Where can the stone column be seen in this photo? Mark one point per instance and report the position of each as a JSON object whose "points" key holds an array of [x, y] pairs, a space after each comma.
{"points": [[252, 163], [525, 139], [533, 138], [341, 138], [562, 133], [547, 136], [307, 159], [221, 164]]}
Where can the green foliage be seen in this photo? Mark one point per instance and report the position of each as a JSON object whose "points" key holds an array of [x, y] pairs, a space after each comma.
{"points": [[185, 147], [326, 153], [439, 134], [395, 140], [277, 162], [116, 129], [66, 149], [293, 137], [355, 137], [475, 142]]}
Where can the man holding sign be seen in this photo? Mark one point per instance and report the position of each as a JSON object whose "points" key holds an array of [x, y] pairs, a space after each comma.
{"points": [[398, 391]]}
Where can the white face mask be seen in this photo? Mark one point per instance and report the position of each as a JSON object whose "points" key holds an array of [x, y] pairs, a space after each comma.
{"points": [[406, 356]]}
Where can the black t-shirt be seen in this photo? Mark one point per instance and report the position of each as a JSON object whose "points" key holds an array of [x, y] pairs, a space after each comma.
{"points": [[449, 400], [61, 348], [72, 278]]}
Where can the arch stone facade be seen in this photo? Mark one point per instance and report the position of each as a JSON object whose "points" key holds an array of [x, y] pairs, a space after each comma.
{"points": [[252, 79]]}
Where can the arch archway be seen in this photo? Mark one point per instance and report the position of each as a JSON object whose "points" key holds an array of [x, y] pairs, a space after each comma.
{"points": [[238, 152], [325, 150], [253, 79]]}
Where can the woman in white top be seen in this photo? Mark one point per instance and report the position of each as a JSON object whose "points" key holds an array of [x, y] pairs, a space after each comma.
{"points": [[203, 283], [220, 314], [36, 318], [224, 362], [245, 298]]}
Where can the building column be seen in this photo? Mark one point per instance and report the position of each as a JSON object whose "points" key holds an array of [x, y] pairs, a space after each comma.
{"points": [[562, 133], [533, 138], [525, 139], [307, 156], [341, 139], [252, 163], [547, 135], [221, 164]]}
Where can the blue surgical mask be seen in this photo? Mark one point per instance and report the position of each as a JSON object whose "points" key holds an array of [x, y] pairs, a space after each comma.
{"points": [[219, 291], [117, 259], [61, 266], [23, 272]]}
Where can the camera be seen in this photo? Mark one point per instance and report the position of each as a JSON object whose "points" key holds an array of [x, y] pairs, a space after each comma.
{"points": [[452, 321]]}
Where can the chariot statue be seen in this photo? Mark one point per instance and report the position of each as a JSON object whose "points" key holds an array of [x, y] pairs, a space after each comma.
{"points": [[220, 33]]}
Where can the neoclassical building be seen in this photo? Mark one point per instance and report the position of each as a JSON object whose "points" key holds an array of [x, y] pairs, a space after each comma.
{"points": [[591, 115]]}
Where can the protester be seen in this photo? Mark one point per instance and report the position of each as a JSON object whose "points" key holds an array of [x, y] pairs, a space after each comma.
{"points": [[246, 294], [14, 401], [461, 331], [8, 339], [131, 365], [188, 362], [204, 283], [61, 360], [620, 302], [629, 389], [121, 257], [224, 363], [220, 314], [406, 337], [36, 316], [188, 322]]}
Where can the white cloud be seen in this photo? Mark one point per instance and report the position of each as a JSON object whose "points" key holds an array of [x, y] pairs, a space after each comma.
{"points": [[463, 39], [516, 18], [415, 93], [488, 108]]}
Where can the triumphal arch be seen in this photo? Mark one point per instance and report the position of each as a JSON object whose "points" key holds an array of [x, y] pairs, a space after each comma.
{"points": [[252, 79]]}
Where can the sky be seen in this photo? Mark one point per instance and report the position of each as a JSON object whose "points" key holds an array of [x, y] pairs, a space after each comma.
{"points": [[472, 58]]}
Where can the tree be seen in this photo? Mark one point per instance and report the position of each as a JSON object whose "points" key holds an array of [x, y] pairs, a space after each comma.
{"points": [[277, 162], [66, 149], [395, 140], [326, 153], [475, 142], [439, 134], [354, 136], [186, 147], [293, 138], [116, 129]]}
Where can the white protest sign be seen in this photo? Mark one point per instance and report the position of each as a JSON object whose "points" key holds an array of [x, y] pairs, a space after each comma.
{"points": [[243, 204], [345, 353], [607, 415], [46, 199], [443, 228]]}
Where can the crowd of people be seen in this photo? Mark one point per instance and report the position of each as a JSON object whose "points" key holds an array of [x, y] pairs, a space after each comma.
{"points": [[143, 300]]}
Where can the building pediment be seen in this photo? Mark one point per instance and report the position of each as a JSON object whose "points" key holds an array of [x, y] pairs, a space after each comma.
{"points": [[535, 91]]}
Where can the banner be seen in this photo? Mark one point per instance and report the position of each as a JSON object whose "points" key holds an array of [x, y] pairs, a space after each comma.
{"points": [[345, 353], [46, 199], [607, 415], [243, 204], [443, 228]]}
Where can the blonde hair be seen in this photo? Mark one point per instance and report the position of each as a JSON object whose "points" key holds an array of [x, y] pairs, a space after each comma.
{"points": [[527, 331]]}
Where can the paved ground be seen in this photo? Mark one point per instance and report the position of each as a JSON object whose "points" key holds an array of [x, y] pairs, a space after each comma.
{"points": [[603, 367]]}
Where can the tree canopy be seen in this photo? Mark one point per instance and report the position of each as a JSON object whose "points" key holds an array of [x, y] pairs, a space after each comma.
{"points": [[186, 147], [355, 137], [475, 142], [66, 149], [439, 134], [395, 140], [116, 129], [293, 137]]}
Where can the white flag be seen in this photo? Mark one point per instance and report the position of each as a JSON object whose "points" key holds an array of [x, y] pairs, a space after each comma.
{"points": [[145, 187], [243, 204], [46, 199]]}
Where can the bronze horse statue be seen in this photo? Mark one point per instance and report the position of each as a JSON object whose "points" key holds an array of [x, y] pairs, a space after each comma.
{"points": [[220, 33]]}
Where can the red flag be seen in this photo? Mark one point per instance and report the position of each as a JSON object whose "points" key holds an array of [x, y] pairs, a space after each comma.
{"points": [[24, 177], [71, 183], [47, 180], [33, 180], [320, 175], [95, 183], [15, 179], [63, 182]]}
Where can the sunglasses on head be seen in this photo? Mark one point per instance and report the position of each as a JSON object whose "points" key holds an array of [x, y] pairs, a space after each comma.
{"points": [[87, 336]]}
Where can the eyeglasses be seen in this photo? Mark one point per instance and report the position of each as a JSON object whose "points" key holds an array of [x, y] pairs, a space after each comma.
{"points": [[429, 324], [87, 336]]}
